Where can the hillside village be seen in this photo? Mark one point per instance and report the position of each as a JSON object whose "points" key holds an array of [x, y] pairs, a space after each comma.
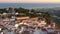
{"points": [[18, 20]]}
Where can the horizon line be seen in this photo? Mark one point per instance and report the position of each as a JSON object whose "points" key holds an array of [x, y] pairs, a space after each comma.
{"points": [[28, 3]]}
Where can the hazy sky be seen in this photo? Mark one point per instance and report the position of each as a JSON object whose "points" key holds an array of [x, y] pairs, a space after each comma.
{"points": [[29, 1]]}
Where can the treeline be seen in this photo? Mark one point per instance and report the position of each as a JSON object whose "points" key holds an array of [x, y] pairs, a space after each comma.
{"points": [[28, 12]]}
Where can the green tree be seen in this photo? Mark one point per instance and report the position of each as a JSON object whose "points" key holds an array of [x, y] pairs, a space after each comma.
{"points": [[5, 10]]}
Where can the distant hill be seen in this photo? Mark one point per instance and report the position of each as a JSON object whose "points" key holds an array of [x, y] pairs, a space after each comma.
{"points": [[54, 12]]}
